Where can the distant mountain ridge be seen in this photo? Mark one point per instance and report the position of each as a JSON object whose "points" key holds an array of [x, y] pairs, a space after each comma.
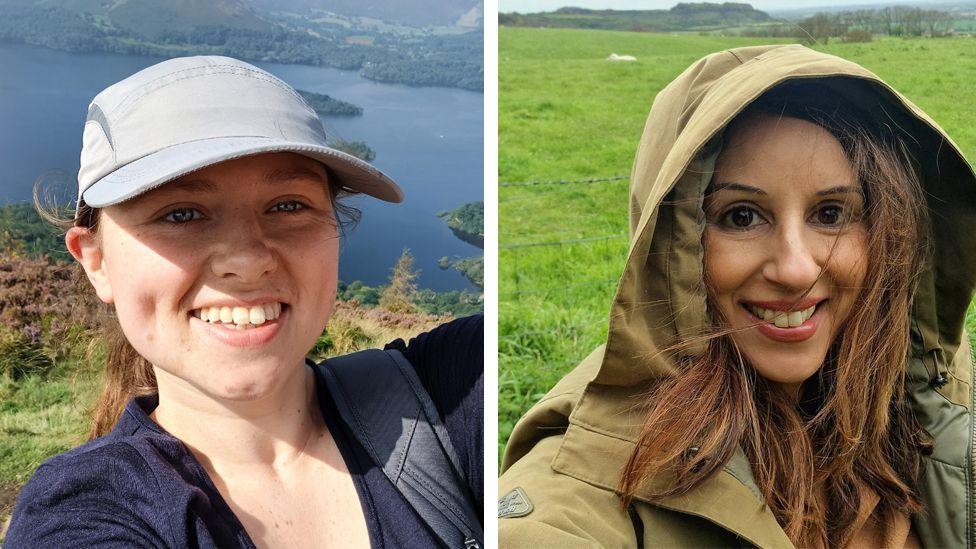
{"points": [[150, 18], [418, 13], [686, 16], [381, 51]]}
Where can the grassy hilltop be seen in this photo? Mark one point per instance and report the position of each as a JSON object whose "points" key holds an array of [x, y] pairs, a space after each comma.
{"points": [[567, 114]]}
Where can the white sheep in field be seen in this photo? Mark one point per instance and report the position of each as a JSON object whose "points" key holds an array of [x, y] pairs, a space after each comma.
{"points": [[615, 57]]}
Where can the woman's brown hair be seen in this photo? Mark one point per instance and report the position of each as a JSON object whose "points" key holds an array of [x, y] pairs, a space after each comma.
{"points": [[852, 427], [127, 373]]}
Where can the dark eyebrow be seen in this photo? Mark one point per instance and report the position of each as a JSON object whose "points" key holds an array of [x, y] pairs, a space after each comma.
{"points": [[715, 187], [841, 189]]}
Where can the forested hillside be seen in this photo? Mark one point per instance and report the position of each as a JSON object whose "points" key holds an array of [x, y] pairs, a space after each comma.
{"points": [[681, 17], [186, 27]]}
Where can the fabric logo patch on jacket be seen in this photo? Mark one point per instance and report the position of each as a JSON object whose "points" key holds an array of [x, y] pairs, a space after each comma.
{"points": [[514, 504]]}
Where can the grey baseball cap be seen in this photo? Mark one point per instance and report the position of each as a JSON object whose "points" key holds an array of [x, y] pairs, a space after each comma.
{"points": [[188, 113]]}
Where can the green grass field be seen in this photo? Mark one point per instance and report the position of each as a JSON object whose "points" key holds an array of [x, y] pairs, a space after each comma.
{"points": [[567, 114]]}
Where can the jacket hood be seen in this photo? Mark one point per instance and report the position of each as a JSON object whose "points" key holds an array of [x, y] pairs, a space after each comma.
{"points": [[661, 296]]}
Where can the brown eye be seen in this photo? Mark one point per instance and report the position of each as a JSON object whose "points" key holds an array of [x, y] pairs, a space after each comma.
{"points": [[740, 217], [830, 215]]}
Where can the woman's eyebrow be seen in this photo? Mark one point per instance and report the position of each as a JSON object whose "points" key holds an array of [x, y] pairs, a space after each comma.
{"points": [[841, 189], [715, 187], [285, 174]]}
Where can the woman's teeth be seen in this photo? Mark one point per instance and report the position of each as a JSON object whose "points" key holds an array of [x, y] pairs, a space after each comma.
{"points": [[240, 317], [783, 319]]}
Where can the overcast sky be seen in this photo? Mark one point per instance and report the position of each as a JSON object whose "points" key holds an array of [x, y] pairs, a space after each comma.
{"points": [[530, 6]]}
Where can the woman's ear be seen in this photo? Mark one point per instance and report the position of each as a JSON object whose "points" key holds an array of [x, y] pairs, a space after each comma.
{"points": [[85, 247]]}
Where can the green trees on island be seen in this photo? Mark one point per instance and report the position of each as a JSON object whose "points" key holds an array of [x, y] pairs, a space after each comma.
{"points": [[359, 149], [324, 104], [467, 222]]}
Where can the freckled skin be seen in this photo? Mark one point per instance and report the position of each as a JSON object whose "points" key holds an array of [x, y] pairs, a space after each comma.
{"points": [[786, 244], [244, 245]]}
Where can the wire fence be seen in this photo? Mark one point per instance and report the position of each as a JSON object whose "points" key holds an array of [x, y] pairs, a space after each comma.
{"points": [[552, 289], [557, 330], [558, 186], [536, 182], [511, 340], [562, 242]]}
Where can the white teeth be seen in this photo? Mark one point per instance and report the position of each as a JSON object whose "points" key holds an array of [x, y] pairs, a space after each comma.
{"points": [[783, 319], [240, 317], [795, 319]]}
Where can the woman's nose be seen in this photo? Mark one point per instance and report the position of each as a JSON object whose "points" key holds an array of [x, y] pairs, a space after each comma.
{"points": [[793, 262], [244, 252]]}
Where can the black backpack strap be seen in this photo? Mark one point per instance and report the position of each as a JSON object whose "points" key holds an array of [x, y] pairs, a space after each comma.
{"points": [[382, 401]]}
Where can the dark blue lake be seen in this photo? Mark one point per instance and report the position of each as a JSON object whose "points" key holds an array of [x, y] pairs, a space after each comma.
{"points": [[429, 140]]}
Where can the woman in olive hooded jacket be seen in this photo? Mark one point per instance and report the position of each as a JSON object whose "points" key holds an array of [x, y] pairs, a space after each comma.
{"points": [[562, 468]]}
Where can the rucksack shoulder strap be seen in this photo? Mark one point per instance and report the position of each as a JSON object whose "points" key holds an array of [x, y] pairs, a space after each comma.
{"points": [[382, 401]]}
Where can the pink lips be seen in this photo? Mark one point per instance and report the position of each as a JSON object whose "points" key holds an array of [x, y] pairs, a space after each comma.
{"points": [[251, 337], [802, 332]]}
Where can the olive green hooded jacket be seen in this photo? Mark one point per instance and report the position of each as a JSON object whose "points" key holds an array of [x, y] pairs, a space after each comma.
{"points": [[564, 459]]}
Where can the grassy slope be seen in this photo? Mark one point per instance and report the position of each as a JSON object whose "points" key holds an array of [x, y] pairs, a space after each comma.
{"points": [[565, 113]]}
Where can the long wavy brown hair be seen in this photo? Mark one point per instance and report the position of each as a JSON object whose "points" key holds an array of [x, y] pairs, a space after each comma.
{"points": [[127, 373], [852, 427]]}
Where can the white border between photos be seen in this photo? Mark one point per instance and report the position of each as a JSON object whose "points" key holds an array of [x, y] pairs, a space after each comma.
{"points": [[490, 20]]}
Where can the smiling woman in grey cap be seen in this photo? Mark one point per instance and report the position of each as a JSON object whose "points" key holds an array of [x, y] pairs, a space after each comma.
{"points": [[207, 217]]}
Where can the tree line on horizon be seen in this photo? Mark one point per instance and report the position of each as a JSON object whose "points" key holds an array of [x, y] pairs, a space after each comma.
{"points": [[744, 20]]}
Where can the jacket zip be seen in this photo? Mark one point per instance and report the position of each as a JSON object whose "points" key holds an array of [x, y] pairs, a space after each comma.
{"points": [[971, 472]]}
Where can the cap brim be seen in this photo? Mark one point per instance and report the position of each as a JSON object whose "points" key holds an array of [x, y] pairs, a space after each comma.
{"points": [[160, 167]]}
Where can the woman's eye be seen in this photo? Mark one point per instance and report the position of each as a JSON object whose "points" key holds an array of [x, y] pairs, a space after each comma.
{"points": [[288, 206], [183, 215], [830, 215], [741, 217]]}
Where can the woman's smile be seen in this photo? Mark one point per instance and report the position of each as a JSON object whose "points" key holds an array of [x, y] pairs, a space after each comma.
{"points": [[787, 326], [241, 326]]}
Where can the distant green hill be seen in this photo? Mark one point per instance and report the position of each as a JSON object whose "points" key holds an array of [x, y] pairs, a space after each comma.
{"points": [[409, 12], [682, 17], [150, 18]]}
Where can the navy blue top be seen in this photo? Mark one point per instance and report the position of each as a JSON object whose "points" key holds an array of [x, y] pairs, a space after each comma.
{"points": [[139, 486]]}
